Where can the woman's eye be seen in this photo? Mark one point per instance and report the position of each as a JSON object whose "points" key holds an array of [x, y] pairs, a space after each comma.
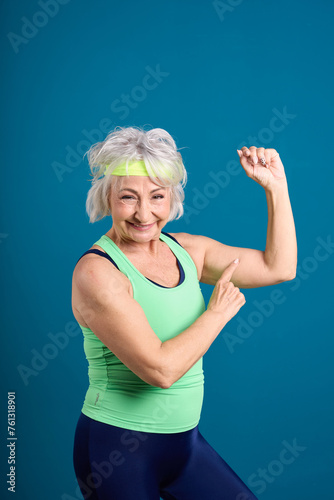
{"points": [[128, 197]]}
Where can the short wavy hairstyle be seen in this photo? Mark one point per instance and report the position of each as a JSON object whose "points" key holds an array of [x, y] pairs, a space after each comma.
{"points": [[155, 147]]}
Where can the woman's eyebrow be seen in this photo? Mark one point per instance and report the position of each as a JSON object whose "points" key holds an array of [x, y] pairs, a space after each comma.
{"points": [[136, 192]]}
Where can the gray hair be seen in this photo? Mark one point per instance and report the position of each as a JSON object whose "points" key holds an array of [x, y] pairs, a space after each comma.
{"points": [[155, 147]]}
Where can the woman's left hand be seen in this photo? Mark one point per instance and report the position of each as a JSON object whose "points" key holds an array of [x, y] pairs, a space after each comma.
{"points": [[269, 173]]}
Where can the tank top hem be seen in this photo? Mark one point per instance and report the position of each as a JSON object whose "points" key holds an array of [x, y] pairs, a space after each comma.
{"points": [[137, 427]]}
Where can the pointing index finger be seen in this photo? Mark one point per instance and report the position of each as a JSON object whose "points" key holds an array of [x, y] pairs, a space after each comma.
{"points": [[228, 272]]}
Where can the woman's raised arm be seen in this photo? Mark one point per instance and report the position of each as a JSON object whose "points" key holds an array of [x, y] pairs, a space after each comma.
{"points": [[275, 264]]}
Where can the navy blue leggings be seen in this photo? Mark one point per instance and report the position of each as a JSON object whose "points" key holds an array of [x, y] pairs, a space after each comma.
{"points": [[112, 463]]}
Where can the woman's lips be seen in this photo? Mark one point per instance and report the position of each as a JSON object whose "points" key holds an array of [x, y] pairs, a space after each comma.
{"points": [[141, 227]]}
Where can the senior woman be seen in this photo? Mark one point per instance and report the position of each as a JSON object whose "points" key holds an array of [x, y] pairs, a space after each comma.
{"points": [[137, 299]]}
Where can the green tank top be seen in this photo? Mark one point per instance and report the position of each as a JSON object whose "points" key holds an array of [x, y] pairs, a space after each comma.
{"points": [[116, 395]]}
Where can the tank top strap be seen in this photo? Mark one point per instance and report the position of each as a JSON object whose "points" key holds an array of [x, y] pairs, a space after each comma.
{"points": [[180, 252]]}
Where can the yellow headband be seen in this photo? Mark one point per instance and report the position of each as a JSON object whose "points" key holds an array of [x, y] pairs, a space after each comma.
{"points": [[134, 168]]}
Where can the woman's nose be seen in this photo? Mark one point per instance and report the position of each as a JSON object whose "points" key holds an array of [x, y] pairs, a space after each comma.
{"points": [[143, 211]]}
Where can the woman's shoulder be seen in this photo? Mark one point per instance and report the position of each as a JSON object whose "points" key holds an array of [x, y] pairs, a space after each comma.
{"points": [[93, 267], [187, 239]]}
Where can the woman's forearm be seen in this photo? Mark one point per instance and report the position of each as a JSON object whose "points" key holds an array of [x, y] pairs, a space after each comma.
{"points": [[281, 247], [180, 353]]}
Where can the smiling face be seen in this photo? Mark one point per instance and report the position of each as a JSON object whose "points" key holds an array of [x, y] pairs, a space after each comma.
{"points": [[139, 208]]}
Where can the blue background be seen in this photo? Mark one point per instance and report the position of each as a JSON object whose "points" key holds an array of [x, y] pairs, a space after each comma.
{"points": [[226, 72]]}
